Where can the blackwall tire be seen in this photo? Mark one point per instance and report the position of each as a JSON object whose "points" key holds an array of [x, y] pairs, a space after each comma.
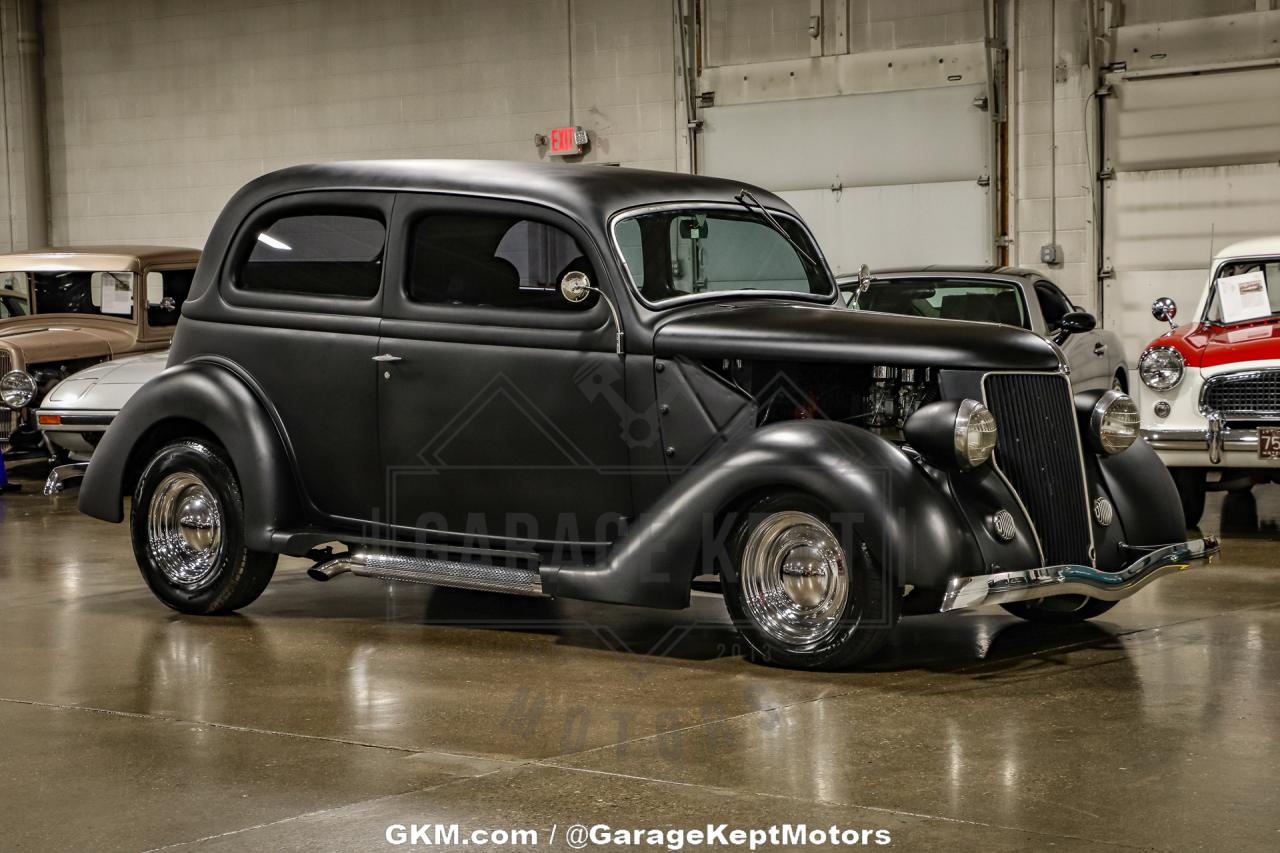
{"points": [[1060, 610], [830, 609], [187, 526]]}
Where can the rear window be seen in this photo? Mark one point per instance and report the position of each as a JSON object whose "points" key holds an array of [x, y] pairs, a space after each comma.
{"points": [[325, 254]]}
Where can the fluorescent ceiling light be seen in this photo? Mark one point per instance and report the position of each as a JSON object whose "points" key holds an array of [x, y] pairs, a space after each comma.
{"points": [[264, 237]]}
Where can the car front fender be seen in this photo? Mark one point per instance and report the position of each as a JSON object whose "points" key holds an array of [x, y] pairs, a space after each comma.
{"points": [[205, 398], [908, 524]]}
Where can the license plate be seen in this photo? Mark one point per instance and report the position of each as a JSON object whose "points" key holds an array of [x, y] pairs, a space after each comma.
{"points": [[1269, 443]]}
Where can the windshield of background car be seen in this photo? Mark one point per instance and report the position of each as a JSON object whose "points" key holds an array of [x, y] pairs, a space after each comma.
{"points": [[675, 253], [68, 292], [1270, 270], [949, 299]]}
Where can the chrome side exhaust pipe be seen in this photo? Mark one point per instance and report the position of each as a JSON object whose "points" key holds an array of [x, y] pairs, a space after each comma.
{"points": [[431, 570]]}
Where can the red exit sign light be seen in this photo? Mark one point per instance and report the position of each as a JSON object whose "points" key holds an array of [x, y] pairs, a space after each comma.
{"points": [[567, 141]]}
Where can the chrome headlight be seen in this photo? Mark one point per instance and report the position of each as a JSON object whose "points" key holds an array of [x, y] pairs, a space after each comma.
{"points": [[975, 434], [1161, 368], [17, 389], [953, 434], [1114, 422]]}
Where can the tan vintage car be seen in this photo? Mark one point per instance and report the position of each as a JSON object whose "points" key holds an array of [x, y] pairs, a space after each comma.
{"points": [[62, 310]]}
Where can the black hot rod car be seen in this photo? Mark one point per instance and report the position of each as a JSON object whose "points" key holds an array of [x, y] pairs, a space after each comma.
{"points": [[605, 384]]}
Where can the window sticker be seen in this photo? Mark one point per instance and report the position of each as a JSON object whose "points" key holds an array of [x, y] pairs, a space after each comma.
{"points": [[117, 293], [1244, 297]]}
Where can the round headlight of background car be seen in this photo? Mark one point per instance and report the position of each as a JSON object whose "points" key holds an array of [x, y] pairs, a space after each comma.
{"points": [[17, 389], [1114, 423], [1161, 368], [953, 434]]}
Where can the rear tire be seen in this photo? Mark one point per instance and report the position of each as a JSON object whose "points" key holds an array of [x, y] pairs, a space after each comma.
{"points": [[187, 525], [1191, 491], [801, 588], [1060, 609]]}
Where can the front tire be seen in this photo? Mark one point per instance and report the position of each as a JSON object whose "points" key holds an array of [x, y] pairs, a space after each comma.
{"points": [[802, 589], [187, 525]]}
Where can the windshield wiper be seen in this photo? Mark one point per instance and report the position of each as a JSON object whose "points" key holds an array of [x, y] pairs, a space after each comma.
{"points": [[743, 197]]}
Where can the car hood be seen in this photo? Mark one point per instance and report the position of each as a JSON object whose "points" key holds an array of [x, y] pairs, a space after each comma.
{"points": [[797, 332], [1206, 345], [36, 342], [106, 386]]}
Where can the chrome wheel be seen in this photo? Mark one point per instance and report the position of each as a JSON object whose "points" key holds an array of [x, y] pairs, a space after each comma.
{"points": [[795, 580], [184, 530]]}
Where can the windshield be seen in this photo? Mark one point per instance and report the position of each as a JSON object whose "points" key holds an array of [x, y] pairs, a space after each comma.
{"points": [[680, 252], [1245, 290], [950, 299], [67, 292]]}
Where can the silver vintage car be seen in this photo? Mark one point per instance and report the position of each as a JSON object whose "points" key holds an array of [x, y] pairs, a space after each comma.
{"points": [[78, 410]]}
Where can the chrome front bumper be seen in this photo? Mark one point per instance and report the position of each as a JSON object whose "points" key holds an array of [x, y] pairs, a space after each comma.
{"points": [[63, 476], [1031, 584], [1215, 439]]}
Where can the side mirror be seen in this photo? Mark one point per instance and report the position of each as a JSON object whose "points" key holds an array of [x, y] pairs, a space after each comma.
{"points": [[1076, 322], [864, 281], [1165, 309], [576, 286]]}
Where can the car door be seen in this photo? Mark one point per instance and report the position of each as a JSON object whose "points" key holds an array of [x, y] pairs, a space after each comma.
{"points": [[1086, 352], [501, 404], [303, 291]]}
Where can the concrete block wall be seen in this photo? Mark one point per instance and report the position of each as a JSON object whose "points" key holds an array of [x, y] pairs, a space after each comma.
{"points": [[741, 31], [891, 24], [158, 111], [13, 183], [1054, 136], [1157, 11]]}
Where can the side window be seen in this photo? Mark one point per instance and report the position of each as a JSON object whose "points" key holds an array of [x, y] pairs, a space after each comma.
{"points": [[318, 254], [166, 291], [1053, 303], [493, 261]]}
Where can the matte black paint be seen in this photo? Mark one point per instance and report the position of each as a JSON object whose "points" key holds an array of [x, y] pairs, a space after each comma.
{"points": [[263, 372], [907, 522]]}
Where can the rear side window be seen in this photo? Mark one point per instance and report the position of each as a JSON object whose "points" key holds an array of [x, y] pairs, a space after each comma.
{"points": [[325, 254], [494, 261]]}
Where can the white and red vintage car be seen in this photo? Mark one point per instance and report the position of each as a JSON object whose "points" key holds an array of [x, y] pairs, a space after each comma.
{"points": [[1211, 395]]}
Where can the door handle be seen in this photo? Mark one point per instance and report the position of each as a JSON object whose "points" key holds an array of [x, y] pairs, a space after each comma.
{"points": [[387, 358], [1099, 349]]}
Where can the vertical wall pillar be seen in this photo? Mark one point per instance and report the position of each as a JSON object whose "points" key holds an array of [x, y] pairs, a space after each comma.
{"points": [[35, 165]]}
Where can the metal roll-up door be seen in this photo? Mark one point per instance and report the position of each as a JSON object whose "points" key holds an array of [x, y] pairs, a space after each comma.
{"points": [[1193, 160], [886, 179]]}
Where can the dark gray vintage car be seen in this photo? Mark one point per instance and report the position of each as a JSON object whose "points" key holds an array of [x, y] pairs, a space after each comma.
{"points": [[1008, 295], [606, 384]]}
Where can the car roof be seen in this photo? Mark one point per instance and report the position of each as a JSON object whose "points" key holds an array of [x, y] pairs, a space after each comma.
{"points": [[948, 270], [93, 258], [581, 189], [1251, 248]]}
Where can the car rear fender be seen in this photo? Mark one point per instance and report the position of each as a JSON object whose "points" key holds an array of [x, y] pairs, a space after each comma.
{"points": [[196, 400]]}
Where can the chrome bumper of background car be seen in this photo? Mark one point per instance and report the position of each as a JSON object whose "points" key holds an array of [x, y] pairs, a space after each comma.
{"points": [[64, 475], [1216, 439], [1007, 587]]}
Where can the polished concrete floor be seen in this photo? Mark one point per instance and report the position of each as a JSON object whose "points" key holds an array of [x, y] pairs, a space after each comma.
{"points": [[325, 713]]}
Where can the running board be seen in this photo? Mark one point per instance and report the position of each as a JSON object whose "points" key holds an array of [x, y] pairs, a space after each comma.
{"points": [[431, 570]]}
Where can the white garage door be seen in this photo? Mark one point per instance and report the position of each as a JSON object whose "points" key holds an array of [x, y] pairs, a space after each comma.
{"points": [[885, 179], [1196, 160]]}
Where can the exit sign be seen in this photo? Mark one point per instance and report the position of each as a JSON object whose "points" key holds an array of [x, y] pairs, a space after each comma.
{"points": [[567, 141]]}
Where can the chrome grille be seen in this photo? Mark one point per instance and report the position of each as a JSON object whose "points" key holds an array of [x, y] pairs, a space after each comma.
{"points": [[1247, 394], [1038, 451]]}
